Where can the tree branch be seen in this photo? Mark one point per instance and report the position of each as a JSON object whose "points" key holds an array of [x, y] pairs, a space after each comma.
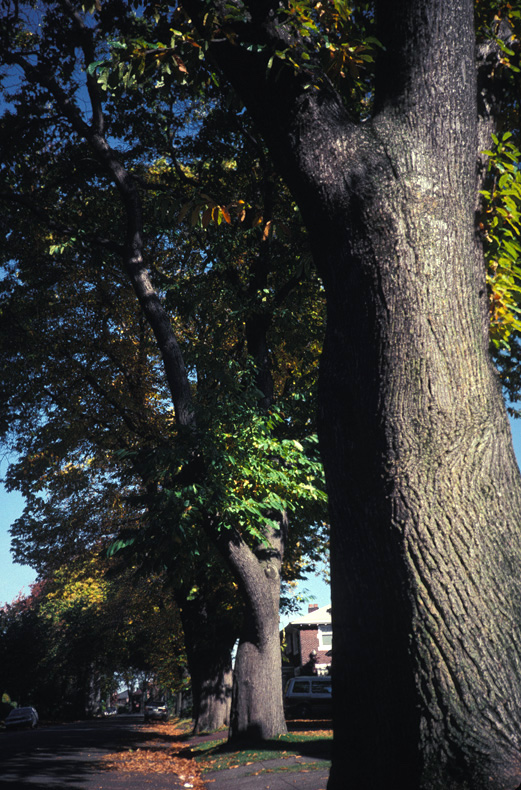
{"points": [[305, 126], [87, 45], [133, 249]]}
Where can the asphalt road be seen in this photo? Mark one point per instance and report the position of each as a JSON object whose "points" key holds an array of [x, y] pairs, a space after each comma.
{"points": [[68, 756]]}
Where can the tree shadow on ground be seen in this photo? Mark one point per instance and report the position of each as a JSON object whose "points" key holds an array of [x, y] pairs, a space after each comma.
{"points": [[66, 757], [307, 738]]}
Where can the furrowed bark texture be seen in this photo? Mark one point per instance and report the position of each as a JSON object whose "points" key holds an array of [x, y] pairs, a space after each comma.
{"points": [[423, 487], [209, 640], [424, 490], [257, 712], [428, 536]]}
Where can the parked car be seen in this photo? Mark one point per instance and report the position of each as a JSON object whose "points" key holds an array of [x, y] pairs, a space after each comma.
{"points": [[308, 696], [154, 712], [22, 717]]}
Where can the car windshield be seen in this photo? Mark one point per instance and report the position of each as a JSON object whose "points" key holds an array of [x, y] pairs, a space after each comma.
{"points": [[301, 687], [20, 713], [320, 687]]}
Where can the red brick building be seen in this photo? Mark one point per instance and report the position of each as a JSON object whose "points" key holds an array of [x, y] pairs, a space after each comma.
{"points": [[308, 641]]}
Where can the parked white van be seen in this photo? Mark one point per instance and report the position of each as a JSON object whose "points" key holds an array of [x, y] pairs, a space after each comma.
{"points": [[308, 696]]}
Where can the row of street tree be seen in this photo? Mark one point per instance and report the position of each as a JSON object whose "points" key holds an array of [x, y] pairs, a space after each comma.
{"points": [[175, 432], [78, 638], [187, 189]]}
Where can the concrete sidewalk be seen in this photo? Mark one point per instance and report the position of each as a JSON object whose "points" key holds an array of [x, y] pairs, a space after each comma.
{"points": [[304, 772], [279, 774]]}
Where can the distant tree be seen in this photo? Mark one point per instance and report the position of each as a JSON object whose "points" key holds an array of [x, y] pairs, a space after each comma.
{"points": [[63, 647], [235, 460]]}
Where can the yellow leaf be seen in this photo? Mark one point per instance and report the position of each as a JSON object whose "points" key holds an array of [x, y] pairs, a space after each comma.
{"points": [[226, 214], [267, 229]]}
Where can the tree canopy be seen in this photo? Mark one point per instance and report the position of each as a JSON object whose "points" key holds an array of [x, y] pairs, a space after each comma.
{"points": [[181, 422], [379, 120], [66, 647]]}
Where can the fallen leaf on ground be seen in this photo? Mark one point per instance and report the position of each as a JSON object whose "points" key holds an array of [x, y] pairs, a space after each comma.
{"points": [[158, 755]]}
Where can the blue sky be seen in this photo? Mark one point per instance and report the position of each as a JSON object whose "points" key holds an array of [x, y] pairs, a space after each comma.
{"points": [[15, 579]]}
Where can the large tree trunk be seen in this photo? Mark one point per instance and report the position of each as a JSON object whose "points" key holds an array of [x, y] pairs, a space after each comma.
{"points": [[257, 711], [424, 495], [209, 639], [424, 491]]}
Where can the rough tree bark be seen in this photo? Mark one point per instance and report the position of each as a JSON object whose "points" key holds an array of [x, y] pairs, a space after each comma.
{"points": [[425, 494], [209, 641], [257, 708], [257, 711]]}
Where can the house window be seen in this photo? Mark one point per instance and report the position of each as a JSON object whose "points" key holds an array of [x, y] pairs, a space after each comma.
{"points": [[325, 637]]}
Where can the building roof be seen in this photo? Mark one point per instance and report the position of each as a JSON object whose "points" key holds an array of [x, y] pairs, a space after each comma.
{"points": [[317, 617]]}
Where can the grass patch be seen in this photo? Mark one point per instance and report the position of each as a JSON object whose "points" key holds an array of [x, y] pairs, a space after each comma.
{"points": [[163, 748], [295, 768], [218, 755]]}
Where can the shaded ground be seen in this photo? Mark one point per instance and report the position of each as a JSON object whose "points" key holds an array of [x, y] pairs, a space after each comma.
{"points": [[124, 754], [272, 775], [72, 756], [299, 760]]}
